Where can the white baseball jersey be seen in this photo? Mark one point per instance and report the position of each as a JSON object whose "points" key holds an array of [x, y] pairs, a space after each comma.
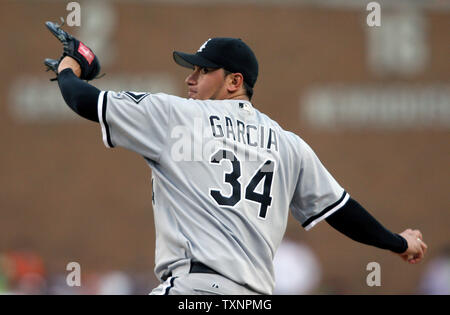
{"points": [[224, 178]]}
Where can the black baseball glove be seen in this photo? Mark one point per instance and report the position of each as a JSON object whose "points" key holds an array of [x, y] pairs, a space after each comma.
{"points": [[89, 64]]}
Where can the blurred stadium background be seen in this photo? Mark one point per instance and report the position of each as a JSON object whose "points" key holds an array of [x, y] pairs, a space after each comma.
{"points": [[373, 102]]}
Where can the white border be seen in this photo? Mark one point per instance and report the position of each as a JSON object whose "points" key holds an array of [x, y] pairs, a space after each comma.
{"points": [[100, 118]]}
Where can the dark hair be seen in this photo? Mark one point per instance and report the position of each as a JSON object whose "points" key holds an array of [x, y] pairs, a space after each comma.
{"points": [[247, 88]]}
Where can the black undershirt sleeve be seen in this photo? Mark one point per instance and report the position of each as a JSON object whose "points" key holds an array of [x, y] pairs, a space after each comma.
{"points": [[355, 222], [79, 95]]}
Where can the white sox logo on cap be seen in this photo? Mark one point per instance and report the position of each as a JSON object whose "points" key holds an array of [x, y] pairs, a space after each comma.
{"points": [[204, 45], [231, 54]]}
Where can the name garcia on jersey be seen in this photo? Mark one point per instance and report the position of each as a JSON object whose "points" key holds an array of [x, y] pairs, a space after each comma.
{"points": [[236, 130], [199, 141]]}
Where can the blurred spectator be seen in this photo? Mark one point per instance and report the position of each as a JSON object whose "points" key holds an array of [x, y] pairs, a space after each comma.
{"points": [[297, 271], [115, 283], [436, 278], [3, 282], [23, 271]]}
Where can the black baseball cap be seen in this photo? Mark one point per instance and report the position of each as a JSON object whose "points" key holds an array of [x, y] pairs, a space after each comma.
{"points": [[232, 54]]}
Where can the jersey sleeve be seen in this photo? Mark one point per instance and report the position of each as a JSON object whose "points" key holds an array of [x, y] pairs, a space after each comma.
{"points": [[135, 121], [317, 194]]}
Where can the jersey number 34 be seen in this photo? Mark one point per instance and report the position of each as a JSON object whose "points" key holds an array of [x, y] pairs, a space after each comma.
{"points": [[265, 172]]}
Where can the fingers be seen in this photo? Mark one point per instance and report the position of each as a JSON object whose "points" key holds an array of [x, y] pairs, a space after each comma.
{"points": [[416, 246], [405, 257], [419, 234], [418, 257], [414, 259], [424, 247]]}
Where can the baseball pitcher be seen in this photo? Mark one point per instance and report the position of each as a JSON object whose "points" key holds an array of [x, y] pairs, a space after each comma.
{"points": [[225, 175]]}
